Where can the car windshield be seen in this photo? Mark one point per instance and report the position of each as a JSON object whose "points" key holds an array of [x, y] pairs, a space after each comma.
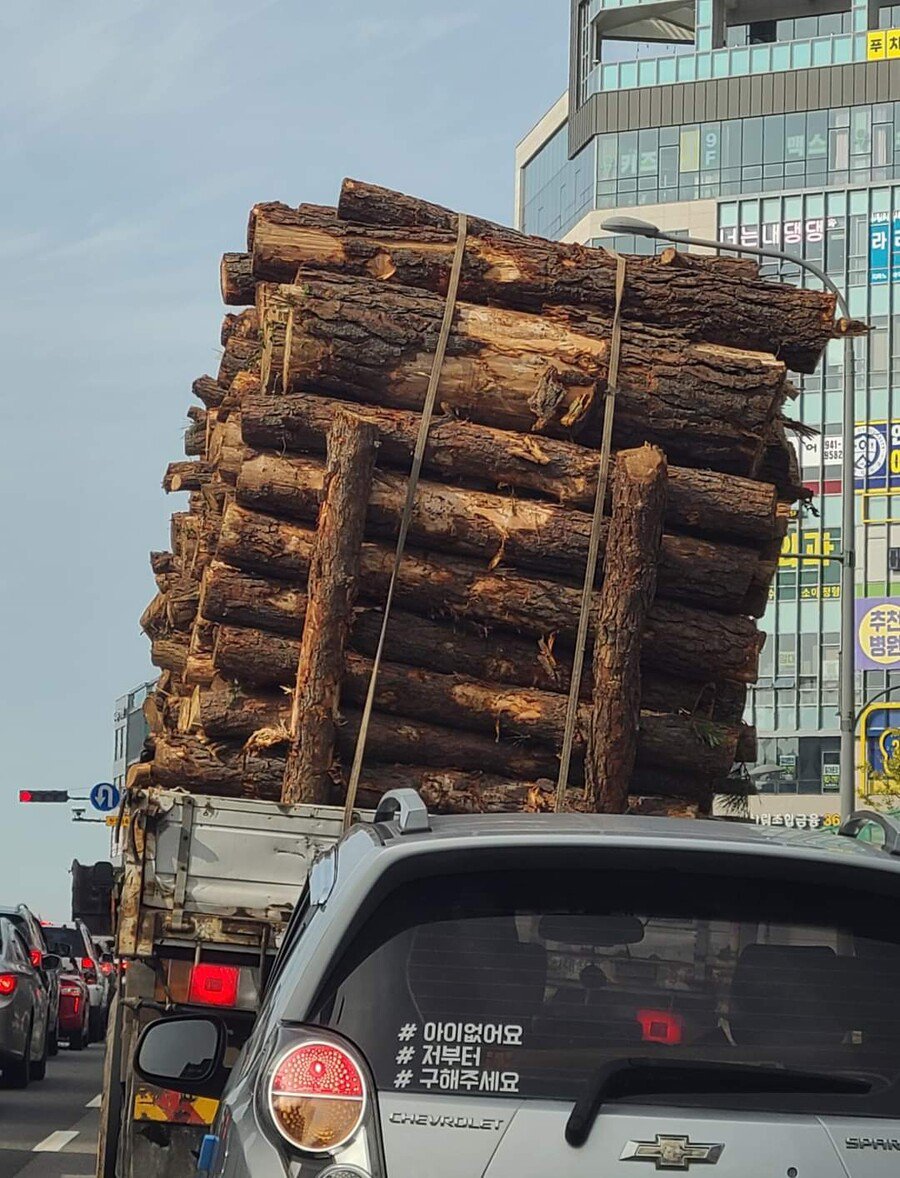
{"points": [[67, 942], [524, 984]]}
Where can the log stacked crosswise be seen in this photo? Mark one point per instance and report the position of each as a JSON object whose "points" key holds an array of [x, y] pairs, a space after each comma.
{"points": [[338, 313]]}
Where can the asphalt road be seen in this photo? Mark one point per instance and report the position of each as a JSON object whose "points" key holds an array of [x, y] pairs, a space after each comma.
{"points": [[50, 1129]]}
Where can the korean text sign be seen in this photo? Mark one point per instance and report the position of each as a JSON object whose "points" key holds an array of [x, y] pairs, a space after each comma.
{"points": [[877, 633]]}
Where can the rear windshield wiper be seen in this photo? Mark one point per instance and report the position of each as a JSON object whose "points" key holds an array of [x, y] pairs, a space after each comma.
{"points": [[652, 1077]]}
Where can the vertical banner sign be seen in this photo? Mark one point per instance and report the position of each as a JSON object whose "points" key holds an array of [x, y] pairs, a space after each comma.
{"points": [[877, 633], [879, 249], [884, 248]]}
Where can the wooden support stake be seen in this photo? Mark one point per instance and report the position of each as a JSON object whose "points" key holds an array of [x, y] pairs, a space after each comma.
{"points": [[333, 577], [629, 584]]}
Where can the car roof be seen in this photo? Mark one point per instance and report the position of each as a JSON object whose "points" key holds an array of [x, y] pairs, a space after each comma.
{"points": [[430, 832]]}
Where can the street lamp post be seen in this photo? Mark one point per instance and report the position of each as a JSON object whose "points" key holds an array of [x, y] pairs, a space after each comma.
{"points": [[847, 684]]}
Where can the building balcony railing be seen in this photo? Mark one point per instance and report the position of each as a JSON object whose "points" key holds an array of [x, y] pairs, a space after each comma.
{"points": [[737, 61]]}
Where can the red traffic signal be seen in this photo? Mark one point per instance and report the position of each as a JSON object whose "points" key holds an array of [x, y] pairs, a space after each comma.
{"points": [[43, 795]]}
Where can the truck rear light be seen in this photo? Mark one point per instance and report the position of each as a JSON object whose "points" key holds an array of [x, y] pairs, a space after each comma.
{"points": [[316, 1097], [8, 983], [661, 1026], [214, 985]]}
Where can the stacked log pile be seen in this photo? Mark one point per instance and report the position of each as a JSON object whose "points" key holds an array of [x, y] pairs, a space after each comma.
{"points": [[341, 314]]}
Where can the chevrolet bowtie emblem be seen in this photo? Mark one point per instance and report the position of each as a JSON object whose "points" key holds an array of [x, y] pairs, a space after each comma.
{"points": [[671, 1153]]}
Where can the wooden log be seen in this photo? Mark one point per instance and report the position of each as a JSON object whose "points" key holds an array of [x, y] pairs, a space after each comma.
{"points": [[169, 652], [629, 586], [208, 390], [236, 280], [239, 353], [667, 741], [452, 791], [187, 476], [185, 762], [244, 325], [260, 659], [226, 447], [195, 433], [500, 529], [712, 647], [705, 404], [333, 577], [718, 303], [703, 502]]}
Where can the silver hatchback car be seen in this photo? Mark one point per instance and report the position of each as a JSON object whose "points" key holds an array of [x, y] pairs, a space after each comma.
{"points": [[517, 996]]}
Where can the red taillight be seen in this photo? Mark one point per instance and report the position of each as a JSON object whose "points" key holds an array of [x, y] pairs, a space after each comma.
{"points": [[317, 1097], [661, 1026], [214, 985], [37, 958], [106, 967], [8, 983], [87, 963]]}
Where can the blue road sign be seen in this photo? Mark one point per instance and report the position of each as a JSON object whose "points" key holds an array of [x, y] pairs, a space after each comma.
{"points": [[105, 797]]}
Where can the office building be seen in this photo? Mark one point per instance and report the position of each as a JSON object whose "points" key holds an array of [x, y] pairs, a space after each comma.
{"points": [[130, 730], [763, 124]]}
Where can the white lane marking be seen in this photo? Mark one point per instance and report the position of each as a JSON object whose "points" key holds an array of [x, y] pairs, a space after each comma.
{"points": [[96, 1102], [56, 1141]]}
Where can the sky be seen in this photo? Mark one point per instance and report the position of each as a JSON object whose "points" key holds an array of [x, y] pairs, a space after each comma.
{"points": [[134, 137]]}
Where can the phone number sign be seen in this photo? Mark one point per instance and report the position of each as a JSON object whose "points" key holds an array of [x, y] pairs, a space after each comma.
{"points": [[876, 456]]}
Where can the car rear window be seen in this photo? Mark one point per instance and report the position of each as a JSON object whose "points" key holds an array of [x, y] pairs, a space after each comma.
{"points": [[67, 942], [523, 985]]}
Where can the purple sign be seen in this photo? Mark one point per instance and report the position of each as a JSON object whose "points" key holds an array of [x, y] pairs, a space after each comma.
{"points": [[877, 633]]}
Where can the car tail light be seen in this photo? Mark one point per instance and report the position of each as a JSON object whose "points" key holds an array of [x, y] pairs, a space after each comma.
{"points": [[70, 991], [106, 967], [317, 1096], [661, 1026], [214, 985], [8, 983], [37, 958]]}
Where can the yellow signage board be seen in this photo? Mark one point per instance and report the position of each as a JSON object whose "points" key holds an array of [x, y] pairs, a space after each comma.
{"points": [[113, 820], [882, 43]]}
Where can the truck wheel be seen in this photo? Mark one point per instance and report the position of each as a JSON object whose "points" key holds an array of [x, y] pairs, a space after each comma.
{"points": [[78, 1039], [18, 1073]]}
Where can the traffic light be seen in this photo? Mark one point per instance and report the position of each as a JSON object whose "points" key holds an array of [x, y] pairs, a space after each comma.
{"points": [[43, 795]]}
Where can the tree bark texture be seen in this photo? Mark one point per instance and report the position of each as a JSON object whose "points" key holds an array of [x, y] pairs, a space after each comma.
{"points": [[236, 280], [705, 404], [712, 646], [264, 660], [239, 354], [629, 586], [499, 529], [187, 476], [195, 433], [208, 390], [700, 501], [243, 325], [515, 716], [723, 305], [331, 591]]}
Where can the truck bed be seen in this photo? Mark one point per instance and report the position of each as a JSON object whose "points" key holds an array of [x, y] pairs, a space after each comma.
{"points": [[215, 870]]}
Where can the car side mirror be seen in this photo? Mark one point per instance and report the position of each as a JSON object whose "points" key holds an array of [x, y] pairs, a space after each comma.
{"points": [[51, 962], [183, 1053]]}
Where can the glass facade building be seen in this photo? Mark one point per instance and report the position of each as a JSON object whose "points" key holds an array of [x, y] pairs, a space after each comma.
{"points": [[676, 113]]}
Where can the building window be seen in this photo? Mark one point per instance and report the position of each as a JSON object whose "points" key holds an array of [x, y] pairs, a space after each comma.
{"points": [[585, 55]]}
